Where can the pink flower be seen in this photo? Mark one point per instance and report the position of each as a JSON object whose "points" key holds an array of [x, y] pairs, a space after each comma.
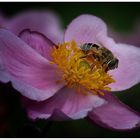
{"points": [[54, 84]]}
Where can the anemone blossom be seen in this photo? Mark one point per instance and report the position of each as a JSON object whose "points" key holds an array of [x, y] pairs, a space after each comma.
{"points": [[44, 64]]}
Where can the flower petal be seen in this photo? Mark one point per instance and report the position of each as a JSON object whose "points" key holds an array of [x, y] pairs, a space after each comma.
{"points": [[68, 101], [128, 72], [86, 28], [29, 72], [45, 22], [115, 115], [58, 115], [38, 42]]}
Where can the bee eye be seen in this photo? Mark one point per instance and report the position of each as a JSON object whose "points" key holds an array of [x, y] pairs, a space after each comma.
{"points": [[117, 62], [113, 64]]}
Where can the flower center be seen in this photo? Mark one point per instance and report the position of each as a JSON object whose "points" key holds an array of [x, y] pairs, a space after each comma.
{"points": [[77, 72]]}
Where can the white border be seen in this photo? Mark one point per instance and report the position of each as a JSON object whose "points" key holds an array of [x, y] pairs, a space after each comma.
{"points": [[69, 1], [70, 138]]}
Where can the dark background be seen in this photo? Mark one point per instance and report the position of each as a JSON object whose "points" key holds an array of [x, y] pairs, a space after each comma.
{"points": [[121, 17]]}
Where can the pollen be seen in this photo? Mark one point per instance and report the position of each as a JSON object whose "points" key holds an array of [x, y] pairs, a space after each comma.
{"points": [[76, 72]]}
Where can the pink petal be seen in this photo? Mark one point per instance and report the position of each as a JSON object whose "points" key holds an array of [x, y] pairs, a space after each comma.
{"points": [[73, 104], [86, 28], [29, 72], [115, 115], [45, 22], [128, 72], [38, 42], [58, 115]]}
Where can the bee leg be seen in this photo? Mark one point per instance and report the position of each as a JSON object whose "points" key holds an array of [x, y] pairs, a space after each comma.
{"points": [[105, 66], [85, 56], [107, 69], [96, 57], [92, 66]]}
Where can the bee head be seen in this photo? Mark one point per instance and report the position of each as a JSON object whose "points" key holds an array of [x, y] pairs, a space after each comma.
{"points": [[112, 64]]}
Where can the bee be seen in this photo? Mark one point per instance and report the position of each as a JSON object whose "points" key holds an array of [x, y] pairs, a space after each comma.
{"points": [[94, 52]]}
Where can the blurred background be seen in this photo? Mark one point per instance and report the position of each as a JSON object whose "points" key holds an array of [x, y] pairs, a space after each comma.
{"points": [[123, 23]]}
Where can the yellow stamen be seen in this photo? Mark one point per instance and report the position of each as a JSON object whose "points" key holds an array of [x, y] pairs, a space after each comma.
{"points": [[76, 72]]}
